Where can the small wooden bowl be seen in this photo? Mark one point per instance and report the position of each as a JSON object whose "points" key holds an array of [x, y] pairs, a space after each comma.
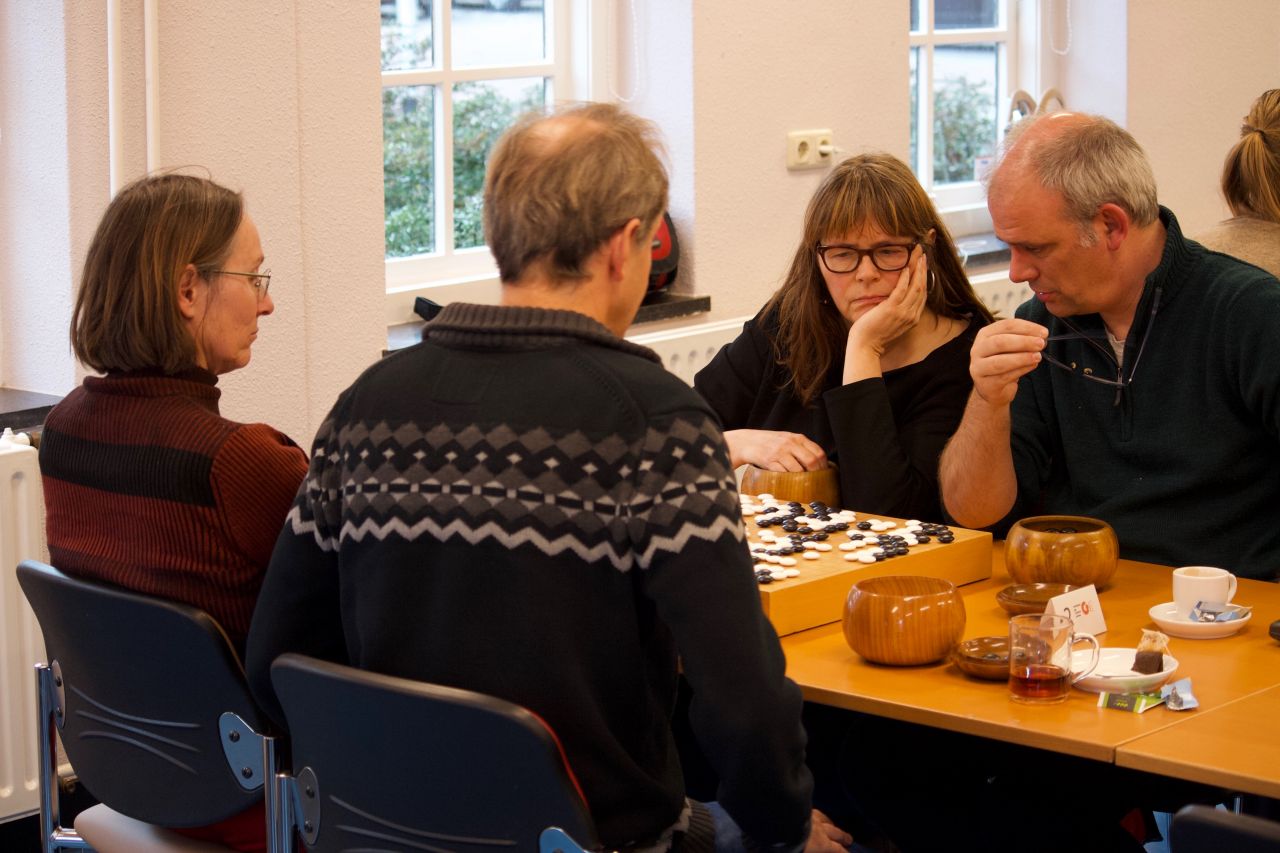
{"points": [[1061, 549], [983, 657], [803, 486], [903, 620], [1022, 598]]}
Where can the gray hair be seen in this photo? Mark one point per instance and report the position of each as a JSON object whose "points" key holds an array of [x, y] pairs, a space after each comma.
{"points": [[559, 185], [1091, 161]]}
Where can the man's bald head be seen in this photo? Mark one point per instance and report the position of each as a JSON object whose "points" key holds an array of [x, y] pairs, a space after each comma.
{"points": [[1088, 159], [559, 185]]}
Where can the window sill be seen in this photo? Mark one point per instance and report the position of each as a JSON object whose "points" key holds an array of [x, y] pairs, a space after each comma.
{"points": [[25, 411], [982, 251], [656, 306]]}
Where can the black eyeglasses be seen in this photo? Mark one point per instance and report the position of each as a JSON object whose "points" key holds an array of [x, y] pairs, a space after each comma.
{"points": [[842, 258], [260, 280], [1121, 381]]}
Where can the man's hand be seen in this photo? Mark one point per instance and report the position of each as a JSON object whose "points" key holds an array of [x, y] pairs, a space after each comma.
{"points": [[1003, 352], [774, 450], [825, 836]]}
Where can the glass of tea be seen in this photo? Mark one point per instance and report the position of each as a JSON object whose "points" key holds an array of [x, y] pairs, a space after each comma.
{"points": [[1040, 647]]}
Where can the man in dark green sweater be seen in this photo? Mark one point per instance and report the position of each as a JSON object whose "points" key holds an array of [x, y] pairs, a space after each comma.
{"points": [[1141, 384], [529, 506]]}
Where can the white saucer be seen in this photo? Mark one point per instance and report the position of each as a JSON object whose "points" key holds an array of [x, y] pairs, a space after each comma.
{"points": [[1172, 623], [1115, 672]]}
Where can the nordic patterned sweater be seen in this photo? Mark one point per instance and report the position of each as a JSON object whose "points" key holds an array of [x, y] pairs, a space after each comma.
{"points": [[148, 488], [527, 506]]}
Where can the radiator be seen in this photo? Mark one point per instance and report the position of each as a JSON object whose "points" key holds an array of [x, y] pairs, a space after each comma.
{"points": [[685, 350], [21, 538]]}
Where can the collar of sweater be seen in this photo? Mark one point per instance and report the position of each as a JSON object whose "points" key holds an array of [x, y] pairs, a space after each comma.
{"points": [[511, 326], [195, 382]]}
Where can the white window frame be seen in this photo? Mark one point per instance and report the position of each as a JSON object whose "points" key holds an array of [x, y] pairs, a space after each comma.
{"points": [[962, 205], [573, 71]]}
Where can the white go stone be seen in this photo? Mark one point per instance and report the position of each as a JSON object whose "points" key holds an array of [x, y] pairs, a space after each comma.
{"points": [[766, 497], [866, 558], [822, 546], [848, 546], [852, 557], [786, 561], [778, 574], [812, 555], [793, 573]]}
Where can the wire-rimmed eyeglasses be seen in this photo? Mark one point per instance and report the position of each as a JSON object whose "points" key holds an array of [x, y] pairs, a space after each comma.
{"points": [[843, 258], [1121, 381], [261, 281]]}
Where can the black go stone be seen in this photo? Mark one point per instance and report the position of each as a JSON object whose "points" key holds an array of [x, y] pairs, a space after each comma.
{"points": [[864, 525]]}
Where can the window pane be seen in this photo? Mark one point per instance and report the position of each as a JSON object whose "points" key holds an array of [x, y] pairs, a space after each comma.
{"points": [[965, 14], [408, 169], [481, 111], [964, 109], [913, 96], [915, 16], [406, 34], [498, 32]]}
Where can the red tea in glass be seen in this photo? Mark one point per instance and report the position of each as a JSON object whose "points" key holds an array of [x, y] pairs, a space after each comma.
{"points": [[1042, 682], [1040, 658]]}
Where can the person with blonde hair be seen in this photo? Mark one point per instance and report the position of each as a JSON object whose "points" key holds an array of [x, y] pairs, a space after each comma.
{"points": [[860, 359], [146, 485], [1251, 186]]}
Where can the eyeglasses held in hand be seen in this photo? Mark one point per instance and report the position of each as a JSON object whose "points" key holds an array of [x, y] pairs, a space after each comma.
{"points": [[260, 280], [1121, 381], [842, 258]]}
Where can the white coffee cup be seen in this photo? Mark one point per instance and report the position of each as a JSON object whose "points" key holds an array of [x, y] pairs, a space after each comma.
{"points": [[1194, 584]]}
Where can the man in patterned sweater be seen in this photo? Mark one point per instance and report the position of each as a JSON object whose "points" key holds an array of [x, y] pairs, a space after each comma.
{"points": [[529, 506]]}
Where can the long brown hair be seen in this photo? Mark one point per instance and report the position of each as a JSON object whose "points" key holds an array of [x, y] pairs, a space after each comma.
{"points": [[869, 189], [1251, 174], [126, 315]]}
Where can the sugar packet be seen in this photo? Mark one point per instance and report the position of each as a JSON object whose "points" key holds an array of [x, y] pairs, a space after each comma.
{"points": [[1134, 703], [1178, 695]]}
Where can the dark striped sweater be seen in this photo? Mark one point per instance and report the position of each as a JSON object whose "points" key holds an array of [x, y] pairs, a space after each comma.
{"points": [[147, 487]]}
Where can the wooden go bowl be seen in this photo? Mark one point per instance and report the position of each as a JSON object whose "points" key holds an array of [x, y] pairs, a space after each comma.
{"points": [[903, 620], [1071, 549], [803, 486]]}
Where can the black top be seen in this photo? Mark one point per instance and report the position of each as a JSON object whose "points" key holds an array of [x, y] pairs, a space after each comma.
{"points": [[527, 506], [885, 434]]}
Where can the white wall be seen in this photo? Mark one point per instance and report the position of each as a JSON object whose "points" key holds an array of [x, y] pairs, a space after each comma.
{"points": [[276, 99], [1194, 69], [751, 72], [279, 98]]}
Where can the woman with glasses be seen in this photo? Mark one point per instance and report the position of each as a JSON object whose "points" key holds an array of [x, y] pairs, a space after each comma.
{"points": [[861, 358], [1251, 186], [146, 485]]}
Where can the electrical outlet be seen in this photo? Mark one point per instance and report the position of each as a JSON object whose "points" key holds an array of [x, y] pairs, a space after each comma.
{"points": [[805, 149]]}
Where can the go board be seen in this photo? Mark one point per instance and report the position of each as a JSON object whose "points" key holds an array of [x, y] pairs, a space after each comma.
{"points": [[812, 563]]}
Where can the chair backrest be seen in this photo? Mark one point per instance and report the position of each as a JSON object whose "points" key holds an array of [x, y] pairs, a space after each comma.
{"points": [[141, 686], [1201, 829], [397, 764]]}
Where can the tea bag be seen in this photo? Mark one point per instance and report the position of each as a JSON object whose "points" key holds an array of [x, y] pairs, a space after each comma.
{"points": [[1150, 653]]}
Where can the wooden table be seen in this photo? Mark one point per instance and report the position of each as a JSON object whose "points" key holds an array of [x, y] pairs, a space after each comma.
{"points": [[1223, 671], [1236, 746]]}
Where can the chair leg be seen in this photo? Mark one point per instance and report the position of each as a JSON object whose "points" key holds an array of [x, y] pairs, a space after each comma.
{"points": [[53, 836]]}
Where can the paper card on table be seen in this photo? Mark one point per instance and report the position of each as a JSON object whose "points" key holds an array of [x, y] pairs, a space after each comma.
{"points": [[1082, 607]]}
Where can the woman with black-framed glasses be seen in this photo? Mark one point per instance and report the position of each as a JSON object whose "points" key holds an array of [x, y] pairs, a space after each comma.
{"points": [[861, 357]]}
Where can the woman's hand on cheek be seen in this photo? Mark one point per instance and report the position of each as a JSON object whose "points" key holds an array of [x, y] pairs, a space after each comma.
{"points": [[897, 314]]}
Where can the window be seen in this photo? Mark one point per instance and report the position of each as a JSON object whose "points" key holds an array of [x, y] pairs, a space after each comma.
{"points": [[961, 53], [455, 74]]}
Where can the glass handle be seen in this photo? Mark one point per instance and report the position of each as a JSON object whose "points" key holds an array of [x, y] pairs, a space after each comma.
{"points": [[1093, 660]]}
